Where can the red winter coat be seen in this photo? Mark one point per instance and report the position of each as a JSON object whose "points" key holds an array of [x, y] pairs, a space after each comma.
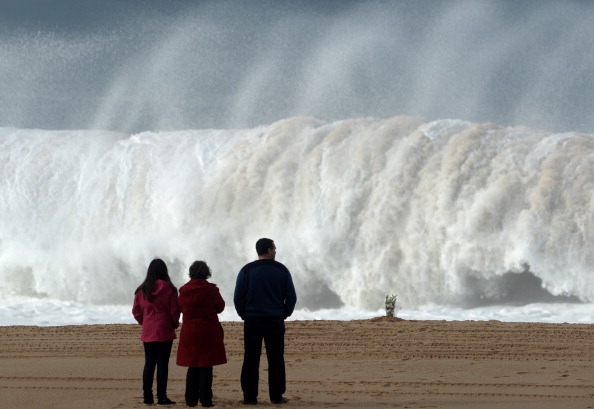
{"points": [[159, 318], [201, 338]]}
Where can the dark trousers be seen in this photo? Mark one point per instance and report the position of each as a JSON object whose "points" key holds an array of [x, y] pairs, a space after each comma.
{"points": [[156, 354], [199, 386], [272, 331]]}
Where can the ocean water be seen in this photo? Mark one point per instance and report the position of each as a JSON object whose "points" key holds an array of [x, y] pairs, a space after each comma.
{"points": [[30, 311], [442, 213], [450, 165]]}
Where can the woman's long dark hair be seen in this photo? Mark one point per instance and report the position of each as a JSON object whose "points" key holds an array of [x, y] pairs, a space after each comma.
{"points": [[157, 270]]}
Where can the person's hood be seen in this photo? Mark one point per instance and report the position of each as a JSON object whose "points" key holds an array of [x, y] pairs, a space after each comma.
{"points": [[160, 287]]}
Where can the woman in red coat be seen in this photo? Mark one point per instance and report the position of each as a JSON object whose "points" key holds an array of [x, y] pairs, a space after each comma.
{"points": [[157, 310], [201, 340]]}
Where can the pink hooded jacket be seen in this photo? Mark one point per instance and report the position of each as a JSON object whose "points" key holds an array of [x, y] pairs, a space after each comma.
{"points": [[159, 318]]}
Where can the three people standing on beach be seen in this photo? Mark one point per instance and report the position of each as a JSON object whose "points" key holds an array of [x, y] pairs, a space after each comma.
{"points": [[264, 297]]}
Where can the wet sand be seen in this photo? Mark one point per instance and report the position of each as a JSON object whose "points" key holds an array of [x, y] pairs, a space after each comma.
{"points": [[377, 363]]}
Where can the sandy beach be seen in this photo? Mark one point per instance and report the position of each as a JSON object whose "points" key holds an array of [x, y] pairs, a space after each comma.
{"points": [[377, 363]]}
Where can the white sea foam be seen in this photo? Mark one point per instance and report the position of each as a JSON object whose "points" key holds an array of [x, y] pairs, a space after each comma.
{"points": [[28, 311]]}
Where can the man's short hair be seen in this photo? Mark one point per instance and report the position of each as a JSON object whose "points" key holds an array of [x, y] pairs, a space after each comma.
{"points": [[263, 245]]}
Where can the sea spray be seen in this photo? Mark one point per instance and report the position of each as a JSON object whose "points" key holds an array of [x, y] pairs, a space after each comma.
{"points": [[134, 66]]}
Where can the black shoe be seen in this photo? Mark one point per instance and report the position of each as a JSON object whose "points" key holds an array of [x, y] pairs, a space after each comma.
{"points": [[165, 401], [248, 402], [148, 401], [280, 401]]}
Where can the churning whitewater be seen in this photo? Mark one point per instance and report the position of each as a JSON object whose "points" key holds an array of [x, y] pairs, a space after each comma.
{"points": [[446, 212]]}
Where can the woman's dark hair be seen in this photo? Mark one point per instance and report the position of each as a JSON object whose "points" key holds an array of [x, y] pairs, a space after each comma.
{"points": [[157, 270], [199, 270], [263, 245]]}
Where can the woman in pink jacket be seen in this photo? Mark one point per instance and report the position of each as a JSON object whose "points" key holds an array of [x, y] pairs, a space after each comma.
{"points": [[201, 340], [156, 308]]}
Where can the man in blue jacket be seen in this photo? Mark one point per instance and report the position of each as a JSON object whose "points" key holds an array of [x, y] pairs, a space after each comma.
{"points": [[264, 297]]}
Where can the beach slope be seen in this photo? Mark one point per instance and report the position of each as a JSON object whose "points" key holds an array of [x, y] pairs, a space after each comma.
{"points": [[377, 363]]}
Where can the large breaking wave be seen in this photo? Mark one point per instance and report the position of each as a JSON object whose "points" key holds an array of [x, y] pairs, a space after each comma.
{"points": [[443, 211]]}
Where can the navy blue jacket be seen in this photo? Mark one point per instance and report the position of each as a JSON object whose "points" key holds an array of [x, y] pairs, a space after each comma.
{"points": [[264, 288]]}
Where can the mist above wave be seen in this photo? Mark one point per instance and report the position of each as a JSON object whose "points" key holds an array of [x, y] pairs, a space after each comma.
{"points": [[152, 65]]}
